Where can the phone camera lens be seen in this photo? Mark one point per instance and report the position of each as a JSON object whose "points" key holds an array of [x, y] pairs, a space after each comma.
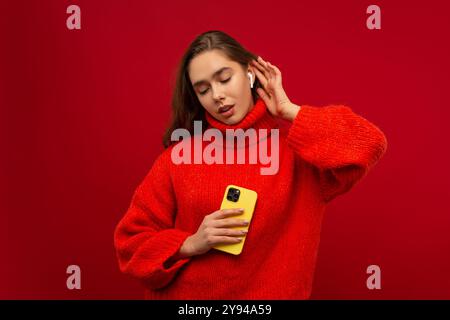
{"points": [[233, 194]]}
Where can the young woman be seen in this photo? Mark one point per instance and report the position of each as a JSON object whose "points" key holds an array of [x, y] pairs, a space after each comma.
{"points": [[166, 237]]}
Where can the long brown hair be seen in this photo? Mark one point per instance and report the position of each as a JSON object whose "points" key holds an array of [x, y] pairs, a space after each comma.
{"points": [[186, 107]]}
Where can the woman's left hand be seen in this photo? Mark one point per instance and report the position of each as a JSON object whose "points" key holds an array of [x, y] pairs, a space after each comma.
{"points": [[273, 93]]}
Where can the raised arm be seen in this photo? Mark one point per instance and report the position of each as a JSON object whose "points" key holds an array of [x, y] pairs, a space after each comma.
{"points": [[342, 145]]}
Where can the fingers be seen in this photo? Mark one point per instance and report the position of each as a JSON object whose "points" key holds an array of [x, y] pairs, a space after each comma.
{"points": [[263, 94], [220, 214], [226, 232], [273, 70], [215, 240], [224, 223], [263, 68], [212, 230], [266, 72], [261, 78], [216, 236], [262, 62]]}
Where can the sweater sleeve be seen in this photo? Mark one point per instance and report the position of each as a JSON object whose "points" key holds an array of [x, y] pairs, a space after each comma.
{"points": [[342, 145], [145, 239]]}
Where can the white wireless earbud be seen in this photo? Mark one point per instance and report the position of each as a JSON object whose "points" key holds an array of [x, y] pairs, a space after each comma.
{"points": [[251, 79]]}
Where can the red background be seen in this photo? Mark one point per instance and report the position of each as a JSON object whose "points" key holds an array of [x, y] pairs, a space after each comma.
{"points": [[83, 111]]}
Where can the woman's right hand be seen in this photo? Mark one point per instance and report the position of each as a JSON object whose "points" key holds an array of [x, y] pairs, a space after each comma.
{"points": [[214, 230]]}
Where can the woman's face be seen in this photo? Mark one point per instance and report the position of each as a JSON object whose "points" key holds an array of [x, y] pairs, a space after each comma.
{"points": [[219, 81]]}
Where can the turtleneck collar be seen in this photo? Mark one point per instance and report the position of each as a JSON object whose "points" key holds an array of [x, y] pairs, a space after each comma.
{"points": [[259, 117]]}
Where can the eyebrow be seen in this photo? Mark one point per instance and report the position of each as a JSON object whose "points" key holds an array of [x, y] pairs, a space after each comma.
{"points": [[214, 74]]}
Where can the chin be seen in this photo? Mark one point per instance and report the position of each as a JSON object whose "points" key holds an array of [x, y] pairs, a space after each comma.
{"points": [[232, 120]]}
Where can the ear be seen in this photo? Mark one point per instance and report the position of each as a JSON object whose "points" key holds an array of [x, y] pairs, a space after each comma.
{"points": [[252, 72]]}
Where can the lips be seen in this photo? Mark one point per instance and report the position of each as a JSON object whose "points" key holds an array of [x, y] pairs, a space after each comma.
{"points": [[225, 108]]}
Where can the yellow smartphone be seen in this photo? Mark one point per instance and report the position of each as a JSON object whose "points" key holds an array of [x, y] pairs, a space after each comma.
{"points": [[238, 197]]}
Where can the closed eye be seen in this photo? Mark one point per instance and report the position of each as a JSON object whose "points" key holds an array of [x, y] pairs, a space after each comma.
{"points": [[223, 81]]}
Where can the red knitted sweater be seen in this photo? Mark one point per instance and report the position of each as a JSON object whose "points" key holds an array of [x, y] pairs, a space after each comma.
{"points": [[322, 154]]}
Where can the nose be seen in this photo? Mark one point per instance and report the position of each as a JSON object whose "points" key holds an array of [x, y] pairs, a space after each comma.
{"points": [[217, 93]]}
